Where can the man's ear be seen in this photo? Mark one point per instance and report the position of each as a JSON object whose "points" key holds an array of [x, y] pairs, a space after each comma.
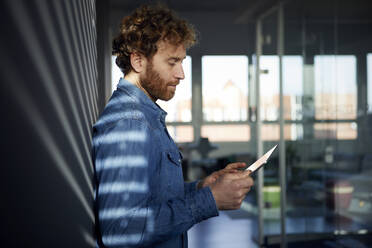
{"points": [[138, 62]]}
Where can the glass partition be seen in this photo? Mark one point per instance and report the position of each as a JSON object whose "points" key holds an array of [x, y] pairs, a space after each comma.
{"points": [[327, 78]]}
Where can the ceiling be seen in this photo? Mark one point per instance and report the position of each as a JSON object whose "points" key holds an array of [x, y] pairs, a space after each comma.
{"points": [[344, 23], [246, 10]]}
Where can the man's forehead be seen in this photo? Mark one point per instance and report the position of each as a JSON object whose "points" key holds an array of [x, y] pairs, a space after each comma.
{"points": [[171, 50]]}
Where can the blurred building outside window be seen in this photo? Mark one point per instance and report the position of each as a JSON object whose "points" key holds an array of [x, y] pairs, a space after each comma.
{"points": [[225, 98], [292, 96], [335, 96], [226, 133]]}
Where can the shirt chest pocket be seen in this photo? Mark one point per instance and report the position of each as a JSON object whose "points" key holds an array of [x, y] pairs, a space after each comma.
{"points": [[172, 172], [175, 157]]}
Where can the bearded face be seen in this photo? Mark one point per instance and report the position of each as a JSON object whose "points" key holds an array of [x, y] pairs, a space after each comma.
{"points": [[156, 86], [163, 71]]}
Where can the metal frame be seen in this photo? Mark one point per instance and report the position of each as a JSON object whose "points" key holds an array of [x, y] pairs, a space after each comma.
{"points": [[282, 169], [260, 174], [282, 165]]}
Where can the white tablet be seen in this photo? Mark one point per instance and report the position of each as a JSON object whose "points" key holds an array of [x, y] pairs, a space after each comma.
{"points": [[261, 161]]}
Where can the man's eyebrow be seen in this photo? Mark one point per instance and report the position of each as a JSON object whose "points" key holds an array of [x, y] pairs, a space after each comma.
{"points": [[176, 58]]}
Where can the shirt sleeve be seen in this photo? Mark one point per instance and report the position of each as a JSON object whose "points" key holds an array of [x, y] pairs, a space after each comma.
{"points": [[190, 187], [127, 214]]}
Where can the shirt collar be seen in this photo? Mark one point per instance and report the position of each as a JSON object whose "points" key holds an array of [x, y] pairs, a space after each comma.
{"points": [[142, 98]]}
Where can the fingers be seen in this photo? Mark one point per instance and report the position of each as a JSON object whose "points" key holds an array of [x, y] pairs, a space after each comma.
{"points": [[244, 183], [231, 189], [239, 200], [241, 195], [238, 175], [224, 171], [236, 165]]}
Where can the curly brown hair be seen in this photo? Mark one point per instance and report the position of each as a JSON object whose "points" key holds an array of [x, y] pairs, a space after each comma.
{"points": [[141, 31]]}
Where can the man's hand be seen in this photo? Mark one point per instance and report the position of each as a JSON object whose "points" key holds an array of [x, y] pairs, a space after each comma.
{"points": [[230, 189], [230, 168]]}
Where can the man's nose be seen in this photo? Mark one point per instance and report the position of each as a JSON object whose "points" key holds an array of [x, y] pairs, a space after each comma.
{"points": [[179, 73]]}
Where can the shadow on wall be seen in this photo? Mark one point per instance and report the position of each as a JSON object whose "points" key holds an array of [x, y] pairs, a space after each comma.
{"points": [[50, 100]]}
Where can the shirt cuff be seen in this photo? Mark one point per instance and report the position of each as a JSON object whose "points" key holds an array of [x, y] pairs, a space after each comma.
{"points": [[202, 204]]}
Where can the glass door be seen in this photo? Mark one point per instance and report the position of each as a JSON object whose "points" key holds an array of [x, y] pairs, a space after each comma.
{"points": [[314, 96]]}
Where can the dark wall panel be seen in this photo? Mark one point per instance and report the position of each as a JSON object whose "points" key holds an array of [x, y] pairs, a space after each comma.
{"points": [[49, 100]]}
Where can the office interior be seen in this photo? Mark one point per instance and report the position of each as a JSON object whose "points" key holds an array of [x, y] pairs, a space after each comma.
{"points": [[297, 74]]}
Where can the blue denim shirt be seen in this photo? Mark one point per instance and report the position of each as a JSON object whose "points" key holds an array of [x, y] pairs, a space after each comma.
{"points": [[141, 198]]}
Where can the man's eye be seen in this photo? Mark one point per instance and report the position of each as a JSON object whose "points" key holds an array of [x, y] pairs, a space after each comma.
{"points": [[172, 64]]}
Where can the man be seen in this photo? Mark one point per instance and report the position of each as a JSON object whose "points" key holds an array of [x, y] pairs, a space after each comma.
{"points": [[141, 198]]}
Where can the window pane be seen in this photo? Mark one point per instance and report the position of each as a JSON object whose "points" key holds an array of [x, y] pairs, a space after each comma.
{"points": [[269, 87], [340, 131], [179, 107], [293, 132], [225, 88], [226, 133], [181, 134], [116, 74], [271, 132], [292, 87], [335, 87], [369, 75]]}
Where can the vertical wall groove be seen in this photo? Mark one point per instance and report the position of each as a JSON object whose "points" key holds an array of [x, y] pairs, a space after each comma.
{"points": [[50, 98]]}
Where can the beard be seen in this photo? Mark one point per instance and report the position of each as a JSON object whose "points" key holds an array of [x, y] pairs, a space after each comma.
{"points": [[156, 86]]}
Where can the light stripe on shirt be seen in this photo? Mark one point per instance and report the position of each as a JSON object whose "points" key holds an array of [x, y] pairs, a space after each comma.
{"points": [[121, 239], [119, 115], [121, 161], [114, 213], [118, 187], [115, 137], [122, 99]]}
